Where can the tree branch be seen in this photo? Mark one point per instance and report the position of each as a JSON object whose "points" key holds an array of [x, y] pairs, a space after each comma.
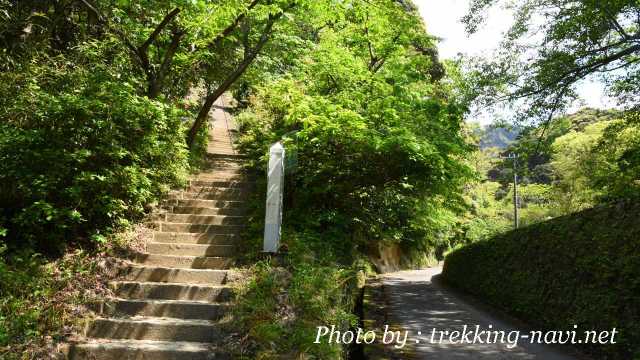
{"points": [[246, 47], [579, 72], [377, 65], [155, 86], [231, 79], [554, 108], [229, 29], [140, 52], [158, 29], [372, 57], [105, 21], [93, 9], [616, 25]]}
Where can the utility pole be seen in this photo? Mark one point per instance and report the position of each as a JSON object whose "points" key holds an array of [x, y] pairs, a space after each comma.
{"points": [[514, 158]]}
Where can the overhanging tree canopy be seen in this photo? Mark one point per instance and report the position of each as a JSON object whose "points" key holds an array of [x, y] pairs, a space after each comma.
{"points": [[553, 45]]}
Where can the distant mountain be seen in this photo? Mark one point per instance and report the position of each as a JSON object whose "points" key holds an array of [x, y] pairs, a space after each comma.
{"points": [[586, 116], [534, 143], [499, 137]]}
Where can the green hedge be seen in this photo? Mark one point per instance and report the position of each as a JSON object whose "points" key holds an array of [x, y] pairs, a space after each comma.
{"points": [[581, 269]]}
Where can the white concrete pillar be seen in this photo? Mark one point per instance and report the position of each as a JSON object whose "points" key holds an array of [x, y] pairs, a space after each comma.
{"points": [[275, 187]]}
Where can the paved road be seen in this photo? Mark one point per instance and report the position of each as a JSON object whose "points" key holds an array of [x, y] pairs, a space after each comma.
{"points": [[418, 303]]}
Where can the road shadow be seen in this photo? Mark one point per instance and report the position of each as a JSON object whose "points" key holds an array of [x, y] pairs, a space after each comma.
{"points": [[421, 302]]}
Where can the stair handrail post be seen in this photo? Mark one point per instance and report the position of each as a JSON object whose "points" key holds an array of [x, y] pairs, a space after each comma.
{"points": [[275, 187]]}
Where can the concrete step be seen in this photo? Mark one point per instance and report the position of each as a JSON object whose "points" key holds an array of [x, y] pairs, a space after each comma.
{"points": [[220, 136], [213, 168], [194, 210], [224, 161], [239, 158], [221, 148], [195, 238], [211, 204], [220, 144], [190, 249], [212, 194], [171, 291], [222, 172], [242, 191], [235, 157], [222, 130], [182, 262], [221, 151], [177, 275], [222, 176], [144, 350], [164, 308], [221, 183], [199, 228], [206, 219], [152, 328]]}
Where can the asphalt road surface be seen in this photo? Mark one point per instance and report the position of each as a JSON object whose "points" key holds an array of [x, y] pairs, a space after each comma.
{"points": [[419, 303]]}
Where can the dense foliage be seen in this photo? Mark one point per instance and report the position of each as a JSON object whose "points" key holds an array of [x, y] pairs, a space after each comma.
{"points": [[575, 261], [581, 269], [583, 155], [100, 103], [283, 303], [92, 99], [534, 144], [80, 152], [103, 107], [372, 130], [619, 151], [376, 134], [576, 161], [585, 159]]}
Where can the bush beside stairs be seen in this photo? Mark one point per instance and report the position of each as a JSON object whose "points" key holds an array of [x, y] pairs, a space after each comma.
{"points": [[169, 301]]}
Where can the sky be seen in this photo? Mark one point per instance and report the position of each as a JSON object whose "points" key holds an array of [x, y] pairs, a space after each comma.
{"points": [[443, 20]]}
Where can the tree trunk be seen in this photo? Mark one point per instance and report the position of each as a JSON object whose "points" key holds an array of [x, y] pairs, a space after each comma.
{"points": [[230, 80], [211, 98], [156, 80]]}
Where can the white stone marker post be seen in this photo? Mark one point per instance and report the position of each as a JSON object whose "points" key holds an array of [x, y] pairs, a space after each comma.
{"points": [[275, 185]]}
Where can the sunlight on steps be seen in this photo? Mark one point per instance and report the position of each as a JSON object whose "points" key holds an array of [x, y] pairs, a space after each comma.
{"points": [[170, 300]]}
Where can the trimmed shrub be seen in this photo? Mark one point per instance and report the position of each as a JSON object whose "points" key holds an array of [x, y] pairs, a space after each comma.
{"points": [[581, 269]]}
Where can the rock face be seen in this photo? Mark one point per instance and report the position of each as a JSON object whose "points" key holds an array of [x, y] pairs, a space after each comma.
{"points": [[386, 258], [169, 300]]}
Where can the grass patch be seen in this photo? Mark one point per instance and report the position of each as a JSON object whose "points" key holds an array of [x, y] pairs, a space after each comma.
{"points": [[45, 301], [282, 302]]}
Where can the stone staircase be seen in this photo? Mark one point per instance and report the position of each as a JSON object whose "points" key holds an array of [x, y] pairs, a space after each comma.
{"points": [[169, 301]]}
